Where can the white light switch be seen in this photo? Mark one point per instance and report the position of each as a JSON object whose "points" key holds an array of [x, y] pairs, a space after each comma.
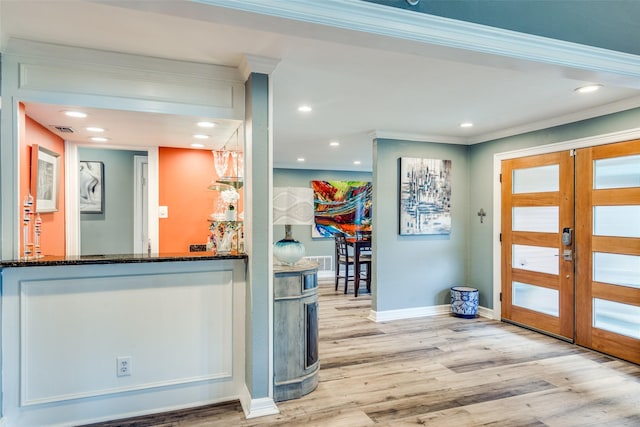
{"points": [[163, 211]]}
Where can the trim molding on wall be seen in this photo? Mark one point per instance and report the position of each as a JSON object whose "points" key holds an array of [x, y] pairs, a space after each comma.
{"points": [[254, 408], [411, 313]]}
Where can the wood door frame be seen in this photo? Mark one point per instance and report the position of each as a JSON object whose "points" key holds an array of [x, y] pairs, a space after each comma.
{"points": [[574, 144]]}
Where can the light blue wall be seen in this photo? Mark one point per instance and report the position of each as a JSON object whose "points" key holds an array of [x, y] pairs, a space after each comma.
{"points": [[110, 232], [303, 178], [480, 268], [258, 298], [417, 271]]}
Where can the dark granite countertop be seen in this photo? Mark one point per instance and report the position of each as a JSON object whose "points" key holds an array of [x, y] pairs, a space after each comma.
{"points": [[119, 259]]}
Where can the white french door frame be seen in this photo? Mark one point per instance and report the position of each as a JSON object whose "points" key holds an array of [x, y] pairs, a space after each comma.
{"points": [[72, 204], [574, 144]]}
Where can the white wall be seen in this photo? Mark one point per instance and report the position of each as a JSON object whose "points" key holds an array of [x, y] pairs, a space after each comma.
{"points": [[182, 324]]}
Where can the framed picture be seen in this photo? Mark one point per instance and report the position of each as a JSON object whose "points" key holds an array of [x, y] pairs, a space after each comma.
{"points": [[343, 206], [45, 167], [91, 182], [425, 196]]}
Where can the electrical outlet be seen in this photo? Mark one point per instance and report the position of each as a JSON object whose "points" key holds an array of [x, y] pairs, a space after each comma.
{"points": [[123, 366]]}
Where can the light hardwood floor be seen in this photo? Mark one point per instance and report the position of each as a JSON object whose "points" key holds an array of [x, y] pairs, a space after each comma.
{"points": [[439, 371]]}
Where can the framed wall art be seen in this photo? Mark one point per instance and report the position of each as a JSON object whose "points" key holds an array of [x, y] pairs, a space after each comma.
{"points": [[343, 206], [91, 182], [425, 196], [45, 177]]}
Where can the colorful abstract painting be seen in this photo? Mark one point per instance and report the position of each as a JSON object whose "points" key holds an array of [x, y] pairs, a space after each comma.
{"points": [[341, 206], [425, 196]]}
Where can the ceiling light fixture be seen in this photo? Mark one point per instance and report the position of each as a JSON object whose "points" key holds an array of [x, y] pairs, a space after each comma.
{"points": [[94, 129], [196, 145], [588, 88], [99, 139], [356, 162], [77, 114], [334, 143], [305, 109], [466, 125], [206, 124], [201, 136], [300, 159]]}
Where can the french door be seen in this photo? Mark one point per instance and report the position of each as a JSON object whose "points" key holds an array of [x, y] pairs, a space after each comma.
{"points": [[608, 264], [537, 266], [597, 303]]}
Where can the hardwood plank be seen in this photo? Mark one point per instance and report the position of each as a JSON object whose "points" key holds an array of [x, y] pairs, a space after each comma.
{"points": [[439, 370]]}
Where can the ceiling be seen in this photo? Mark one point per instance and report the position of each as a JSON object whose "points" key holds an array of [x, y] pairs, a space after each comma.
{"points": [[383, 80]]}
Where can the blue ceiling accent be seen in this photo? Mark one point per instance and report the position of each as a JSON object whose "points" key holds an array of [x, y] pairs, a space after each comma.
{"points": [[607, 24]]}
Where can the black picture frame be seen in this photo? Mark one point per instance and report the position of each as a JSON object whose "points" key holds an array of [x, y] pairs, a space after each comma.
{"points": [[45, 178]]}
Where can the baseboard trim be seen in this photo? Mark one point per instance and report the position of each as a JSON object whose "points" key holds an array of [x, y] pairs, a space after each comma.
{"points": [[486, 312], [254, 408], [411, 313]]}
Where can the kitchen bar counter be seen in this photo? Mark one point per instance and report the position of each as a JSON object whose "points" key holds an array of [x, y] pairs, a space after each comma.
{"points": [[177, 320], [120, 259]]}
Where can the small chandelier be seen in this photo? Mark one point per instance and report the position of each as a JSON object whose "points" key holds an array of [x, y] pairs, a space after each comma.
{"points": [[229, 166]]}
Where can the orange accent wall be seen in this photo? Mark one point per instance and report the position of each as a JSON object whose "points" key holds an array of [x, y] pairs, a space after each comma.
{"points": [[184, 177], [52, 241]]}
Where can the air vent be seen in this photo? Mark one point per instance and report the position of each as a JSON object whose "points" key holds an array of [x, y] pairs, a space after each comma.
{"points": [[64, 129]]}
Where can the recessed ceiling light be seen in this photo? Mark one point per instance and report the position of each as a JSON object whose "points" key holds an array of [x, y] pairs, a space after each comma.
{"points": [[196, 145], [99, 139], [300, 159], [356, 162], [466, 125], [206, 124], [94, 129], [588, 88], [78, 114], [304, 109], [201, 136], [334, 143]]}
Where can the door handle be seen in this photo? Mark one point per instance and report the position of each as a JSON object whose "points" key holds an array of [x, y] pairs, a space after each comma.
{"points": [[567, 254]]}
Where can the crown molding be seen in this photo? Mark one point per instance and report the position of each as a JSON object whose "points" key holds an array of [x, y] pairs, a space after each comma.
{"points": [[601, 110], [407, 136], [256, 64], [438, 31]]}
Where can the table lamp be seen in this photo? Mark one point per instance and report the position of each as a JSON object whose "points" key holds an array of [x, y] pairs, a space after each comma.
{"points": [[291, 206]]}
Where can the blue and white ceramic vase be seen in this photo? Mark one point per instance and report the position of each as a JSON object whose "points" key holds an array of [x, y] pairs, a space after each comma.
{"points": [[464, 302]]}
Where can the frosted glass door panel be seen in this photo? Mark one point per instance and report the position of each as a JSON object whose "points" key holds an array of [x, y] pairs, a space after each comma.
{"points": [[538, 219], [618, 221], [623, 319], [543, 300], [619, 172], [541, 179], [623, 270], [535, 258]]}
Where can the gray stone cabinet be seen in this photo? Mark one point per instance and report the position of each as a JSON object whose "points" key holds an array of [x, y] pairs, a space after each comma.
{"points": [[295, 330]]}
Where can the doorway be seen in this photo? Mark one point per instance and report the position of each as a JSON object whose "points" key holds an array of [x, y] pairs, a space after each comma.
{"points": [[571, 246]]}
